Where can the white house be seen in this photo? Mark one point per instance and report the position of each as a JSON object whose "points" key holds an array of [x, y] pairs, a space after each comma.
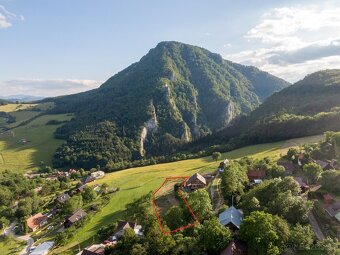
{"points": [[98, 174]]}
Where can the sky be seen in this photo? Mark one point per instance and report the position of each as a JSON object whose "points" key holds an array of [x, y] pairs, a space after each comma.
{"points": [[57, 47]]}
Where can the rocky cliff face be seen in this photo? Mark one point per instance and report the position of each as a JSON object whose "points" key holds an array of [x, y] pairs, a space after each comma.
{"points": [[176, 91]]}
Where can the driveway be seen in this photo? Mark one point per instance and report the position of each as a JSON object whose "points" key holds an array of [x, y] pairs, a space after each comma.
{"points": [[25, 238], [315, 226]]}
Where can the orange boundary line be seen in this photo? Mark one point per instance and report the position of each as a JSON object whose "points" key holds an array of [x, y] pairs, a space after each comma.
{"points": [[185, 201]]}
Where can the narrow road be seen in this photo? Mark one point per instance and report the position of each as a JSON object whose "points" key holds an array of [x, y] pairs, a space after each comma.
{"points": [[26, 250], [27, 238], [315, 226], [215, 191]]}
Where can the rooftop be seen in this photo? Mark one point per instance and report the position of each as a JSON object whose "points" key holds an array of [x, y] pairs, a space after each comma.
{"points": [[231, 215]]}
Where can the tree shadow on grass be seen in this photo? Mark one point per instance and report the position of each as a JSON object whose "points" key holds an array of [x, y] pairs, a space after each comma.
{"points": [[108, 219]]}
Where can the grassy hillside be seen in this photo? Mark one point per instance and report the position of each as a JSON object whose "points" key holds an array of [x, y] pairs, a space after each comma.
{"points": [[16, 154], [10, 246], [135, 182]]}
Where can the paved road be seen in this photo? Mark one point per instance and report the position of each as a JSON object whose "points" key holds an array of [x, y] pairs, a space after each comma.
{"points": [[26, 250], [27, 238], [315, 226]]}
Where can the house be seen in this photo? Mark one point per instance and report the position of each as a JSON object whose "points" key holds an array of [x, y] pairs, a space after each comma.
{"points": [[231, 217], [95, 249], [98, 174], [122, 225], [75, 217], [334, 164], [223, 164], [324, 165], [88, 179], [289, 167], [333, 210], [327, 199], [63, 198], [36, 221], [196, 181], [42, 249], [300, 158], [303, 186], [254, 175], [235, 247], [81, 188], [72, 171]]}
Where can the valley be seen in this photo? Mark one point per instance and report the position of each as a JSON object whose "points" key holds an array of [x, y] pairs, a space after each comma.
{"points": [[85, 165]]}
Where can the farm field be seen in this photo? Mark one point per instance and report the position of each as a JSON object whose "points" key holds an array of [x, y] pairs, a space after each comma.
{"points": [[136, 182], [24, 147], [16, 107]]}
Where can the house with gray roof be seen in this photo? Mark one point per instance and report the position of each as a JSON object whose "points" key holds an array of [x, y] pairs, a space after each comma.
{"points": [[231, 217], [333, 210]]}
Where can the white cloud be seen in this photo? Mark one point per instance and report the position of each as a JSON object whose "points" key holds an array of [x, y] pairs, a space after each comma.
{"points": [[46, 88], [6, 16], [294, 41]]}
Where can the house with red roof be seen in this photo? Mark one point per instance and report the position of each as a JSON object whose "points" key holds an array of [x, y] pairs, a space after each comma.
{"points": [[254, 175], [36, 221]]}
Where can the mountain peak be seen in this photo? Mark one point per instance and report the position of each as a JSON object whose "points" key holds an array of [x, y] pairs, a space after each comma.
{"points": [[175, 93]]}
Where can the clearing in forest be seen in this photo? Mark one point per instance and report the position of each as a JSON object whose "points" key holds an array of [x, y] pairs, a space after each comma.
{"points": [[170, 195]]}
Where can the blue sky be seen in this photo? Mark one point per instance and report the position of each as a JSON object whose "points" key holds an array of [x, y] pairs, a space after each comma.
{"points": [[59, 47]]}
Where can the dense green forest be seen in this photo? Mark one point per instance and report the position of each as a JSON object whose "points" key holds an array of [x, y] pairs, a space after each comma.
{"points": [[309, 107], [175, 94]]}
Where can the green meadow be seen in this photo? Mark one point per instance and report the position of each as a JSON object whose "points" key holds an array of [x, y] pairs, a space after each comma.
{"points": [[24, 147], [135, 182]]}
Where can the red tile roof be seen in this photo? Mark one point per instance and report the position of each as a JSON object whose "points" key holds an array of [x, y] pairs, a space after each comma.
{"points": [[35, 221]]}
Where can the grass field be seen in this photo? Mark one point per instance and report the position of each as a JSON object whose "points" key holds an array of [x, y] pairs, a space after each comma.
{"points": [[16, 155], [16, 107], [10, 246], [135, 182]]}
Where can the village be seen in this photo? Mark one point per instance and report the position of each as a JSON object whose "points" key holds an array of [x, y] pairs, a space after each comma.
{"points": [[230, 194]]}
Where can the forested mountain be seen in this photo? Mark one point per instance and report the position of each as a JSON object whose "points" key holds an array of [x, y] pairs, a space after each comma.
{"points": [[174, 94], [308, 107]]}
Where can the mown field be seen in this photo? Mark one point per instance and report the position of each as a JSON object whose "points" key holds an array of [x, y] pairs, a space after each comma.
{"points": [[135, 182], [24, 147]]}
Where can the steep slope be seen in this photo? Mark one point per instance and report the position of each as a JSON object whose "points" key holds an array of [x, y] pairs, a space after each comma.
{"points": [[174, 94], [308, 107]]}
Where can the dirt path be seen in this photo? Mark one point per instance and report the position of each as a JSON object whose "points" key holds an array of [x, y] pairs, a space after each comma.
{"points": [[315, 226], [215, 191]]}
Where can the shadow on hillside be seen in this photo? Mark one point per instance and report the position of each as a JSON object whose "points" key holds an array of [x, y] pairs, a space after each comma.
{"points": [[108, 219]]}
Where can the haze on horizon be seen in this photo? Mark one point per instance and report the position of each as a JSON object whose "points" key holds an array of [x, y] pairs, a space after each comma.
{"points": [[62, 47]]}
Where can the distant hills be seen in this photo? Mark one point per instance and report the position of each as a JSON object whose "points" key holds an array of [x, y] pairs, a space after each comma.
{"points": [[175, 94], [308, 107], [20, 98]]}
